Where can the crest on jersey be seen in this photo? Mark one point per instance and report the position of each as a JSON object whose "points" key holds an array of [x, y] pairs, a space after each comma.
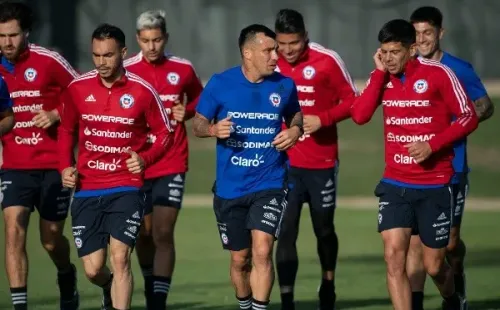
{"points": [[275, 99], [309, 72], [126, 101], [173, 78], [30, 74], [420, 86]]}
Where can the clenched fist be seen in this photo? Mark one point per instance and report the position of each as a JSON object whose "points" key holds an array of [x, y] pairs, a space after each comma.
{"points": [[135, 163], [179, 111], [287, 138], [45, 119], [69, 177], [222, 129]]}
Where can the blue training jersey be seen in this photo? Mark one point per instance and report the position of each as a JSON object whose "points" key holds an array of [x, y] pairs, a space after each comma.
{"points": [[5, 100], [247, 161], [475, 90]]}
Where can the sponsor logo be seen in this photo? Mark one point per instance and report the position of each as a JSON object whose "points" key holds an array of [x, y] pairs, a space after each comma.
{"points": [[247, 162], [408, 120], [406, 103], [407, 138], [169, 97], [305, 89], [107, 133], [254, 115], [255, 130], [248, 144], [307, 103], [24, 124], [104, 166], [27, 108], [105, 148], [25, 93], [34, 140], [108, 119], [404, 159]]}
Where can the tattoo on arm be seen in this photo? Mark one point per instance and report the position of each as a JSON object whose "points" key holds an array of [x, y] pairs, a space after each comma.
{"points": [[201, 126], [295, 120], [484, 108], [6, 121]]}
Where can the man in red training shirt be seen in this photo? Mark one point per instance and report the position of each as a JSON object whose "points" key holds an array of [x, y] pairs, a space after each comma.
{"points": [[425, 111], [35, 77], [173, 78], [113, 111], [323, 86]]}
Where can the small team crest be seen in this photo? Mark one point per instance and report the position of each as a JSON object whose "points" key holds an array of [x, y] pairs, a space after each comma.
{"points": [[275, 99], [30, 74], [309, 72], [173, 78], [420, 86], [126, 101]]}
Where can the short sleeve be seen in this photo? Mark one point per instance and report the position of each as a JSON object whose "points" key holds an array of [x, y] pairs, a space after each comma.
{"points": [[471, 82], [207, 104], [292, 106]]}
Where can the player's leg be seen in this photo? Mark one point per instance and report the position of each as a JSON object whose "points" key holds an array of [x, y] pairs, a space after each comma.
{"points": [[287, 261], [456, 247], [322, 185], [145, 248], [434, 213], [89, 221], [53, 207], [125, 211], [395, 221], [231, 219], [265, 224], [18, 192], [167, 200], [416, 272]]}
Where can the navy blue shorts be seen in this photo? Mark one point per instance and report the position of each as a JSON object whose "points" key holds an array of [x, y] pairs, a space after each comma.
{"points": [[429, 212], [35, 189], [460, 192], [166, 191], [96, 219], [236, 218]]}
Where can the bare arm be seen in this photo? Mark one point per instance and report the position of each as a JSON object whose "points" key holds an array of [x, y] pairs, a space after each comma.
{"points": [[202, 127], [295, 120], [7, 121], [484, 108]]}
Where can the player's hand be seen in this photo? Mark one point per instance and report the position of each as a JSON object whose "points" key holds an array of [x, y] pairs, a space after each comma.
{"points": [[377, 58], [179, 111], [69, 177], [287, 138], [222, 129], [312, 123], [420, 151], [45, 119], [135, 163]]}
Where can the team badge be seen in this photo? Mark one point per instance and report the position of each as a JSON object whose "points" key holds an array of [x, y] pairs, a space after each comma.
{"points": [[126, 101], [309, 72], [275, 99], [173, 78], [420, 86], [30, 74]]}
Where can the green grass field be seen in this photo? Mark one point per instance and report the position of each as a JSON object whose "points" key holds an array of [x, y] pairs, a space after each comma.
{"points": [[201, 279]]}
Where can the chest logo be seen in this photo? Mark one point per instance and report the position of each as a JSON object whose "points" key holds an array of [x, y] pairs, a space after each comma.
{"points": [[420, 86], [173, 78], [275, 99], [126, 101], [309, 72], [30, 74]]}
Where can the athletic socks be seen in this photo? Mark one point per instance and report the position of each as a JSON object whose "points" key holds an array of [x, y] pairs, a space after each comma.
{"points": [[161, 287], [287, 301], [259, 305], [19, 297], [147, 273], [245, 302], [326, 294], [417, 300], [66, 279]]}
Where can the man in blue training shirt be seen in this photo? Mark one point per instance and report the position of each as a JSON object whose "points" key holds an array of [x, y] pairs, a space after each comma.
{"points": [[248, 104], [428, 25], [6, 112]]}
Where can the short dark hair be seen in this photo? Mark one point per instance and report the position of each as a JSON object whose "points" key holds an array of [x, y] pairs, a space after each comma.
{"points": [[289, 21], [397, 30], [427, 14], [13, 10], [248, 33], [107, 31]]}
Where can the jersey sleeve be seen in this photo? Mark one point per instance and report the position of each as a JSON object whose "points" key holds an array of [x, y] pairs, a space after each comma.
{"points": [[62, 71], [207, 104], [472, 83], [66, 130], [459, 104], [364, 106], [193, 91], [341, 81], [292, 106], [5, 100], [159, 125]]}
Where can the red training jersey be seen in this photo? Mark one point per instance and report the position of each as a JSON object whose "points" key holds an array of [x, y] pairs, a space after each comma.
{"points": [[35, 83], [431, 106], [111, 122], [174, 79], [325, 89]]}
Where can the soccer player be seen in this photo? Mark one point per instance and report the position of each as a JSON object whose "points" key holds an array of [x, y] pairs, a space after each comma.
{"points": [[173, 78], [35, 77], [248, 104], [113, 110], [323, 82], [420, 99], [428, 23]]}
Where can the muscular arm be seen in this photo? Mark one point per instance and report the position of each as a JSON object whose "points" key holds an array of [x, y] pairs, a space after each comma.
{"points": [[7, 121], [484, 108], [295, 120], [202, 127]]}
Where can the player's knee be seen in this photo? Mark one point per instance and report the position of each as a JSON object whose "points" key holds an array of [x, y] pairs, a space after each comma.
{"points": [[15, 236], [120, 260], [261, 254], [91, 272], [433, 266], [163, 236], [454, 242], [240, 261], [49, 238], [395, 259], [146, 232]]}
